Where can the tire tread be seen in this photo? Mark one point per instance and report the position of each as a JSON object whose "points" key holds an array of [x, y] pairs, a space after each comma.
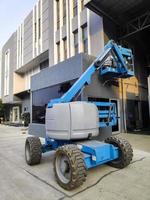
{"points": [[77, 166]]}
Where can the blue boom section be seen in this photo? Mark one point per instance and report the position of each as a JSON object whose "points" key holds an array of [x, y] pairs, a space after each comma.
{"points": [[121, 66]]}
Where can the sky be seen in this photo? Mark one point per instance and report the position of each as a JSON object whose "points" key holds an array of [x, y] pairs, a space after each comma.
{"points": [[12, 14]]}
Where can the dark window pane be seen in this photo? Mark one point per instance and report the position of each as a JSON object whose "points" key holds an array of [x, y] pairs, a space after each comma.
{"points": [[75, 8], [82, 5], [58, 51], [40, 99], [65, 48], [39, 28], [85, 39], [64, 12], [85, 46], [76, 46], [44, 64], [58, 15], [35, 31]]}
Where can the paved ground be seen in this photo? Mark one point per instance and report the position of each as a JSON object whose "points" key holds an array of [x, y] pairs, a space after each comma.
{"points": [[21, 182]]}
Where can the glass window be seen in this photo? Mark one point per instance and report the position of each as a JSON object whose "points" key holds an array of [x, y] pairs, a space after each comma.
{"points": [[6, 73], [21, 45], [65, 47], [44, 64], [82, 5], [58, 14], [75, 7], [40, 99], [16, 114], [58, 51], [76, 45], [35, 25], [39, 20], [85, 39], [39, 28], [35, 31], [64, 12]]}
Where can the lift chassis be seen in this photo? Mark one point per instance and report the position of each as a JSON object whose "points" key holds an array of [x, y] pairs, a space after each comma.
{"points": [[76, 154]]}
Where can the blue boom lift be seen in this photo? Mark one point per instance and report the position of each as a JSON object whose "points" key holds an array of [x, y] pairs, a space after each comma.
{"points": [[71, 125]]}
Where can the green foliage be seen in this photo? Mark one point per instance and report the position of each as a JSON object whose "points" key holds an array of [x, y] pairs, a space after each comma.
{"points": [[2, 109], [26, 118]]}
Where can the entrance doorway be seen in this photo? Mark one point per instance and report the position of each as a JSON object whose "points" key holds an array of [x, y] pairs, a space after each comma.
{"points": [[16, 114]]}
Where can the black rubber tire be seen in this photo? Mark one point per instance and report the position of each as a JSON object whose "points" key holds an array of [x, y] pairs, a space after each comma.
{"points": [[77, 166], [125, 152], [35, 150]]}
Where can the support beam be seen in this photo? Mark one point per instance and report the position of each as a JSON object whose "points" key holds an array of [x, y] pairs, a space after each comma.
{"points": [[134, 26]]}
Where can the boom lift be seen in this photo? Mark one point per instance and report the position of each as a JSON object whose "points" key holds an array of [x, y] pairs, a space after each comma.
{"points": [[71, 125]]}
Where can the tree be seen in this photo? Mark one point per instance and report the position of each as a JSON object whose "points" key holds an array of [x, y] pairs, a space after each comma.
{"points": [[2, 109]]}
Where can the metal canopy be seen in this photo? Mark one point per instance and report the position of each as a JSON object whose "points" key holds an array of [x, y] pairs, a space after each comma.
{"points": [[135, 25], [22, 94], [119, 11]]}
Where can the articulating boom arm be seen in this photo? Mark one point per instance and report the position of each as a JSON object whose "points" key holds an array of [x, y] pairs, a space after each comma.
{"points": [[123, 67]]}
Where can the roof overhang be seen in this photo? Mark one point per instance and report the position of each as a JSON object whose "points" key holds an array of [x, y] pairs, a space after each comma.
{"points": [[119, 11], [13, 103], [131, 19], [33, 63], [22, 94]]}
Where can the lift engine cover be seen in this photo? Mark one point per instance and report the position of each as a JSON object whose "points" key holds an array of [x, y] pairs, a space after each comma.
{"points": [[71, 121]]}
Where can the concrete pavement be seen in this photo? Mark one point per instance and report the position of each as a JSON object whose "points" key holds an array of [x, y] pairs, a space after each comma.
{"points": [[19, 181]]}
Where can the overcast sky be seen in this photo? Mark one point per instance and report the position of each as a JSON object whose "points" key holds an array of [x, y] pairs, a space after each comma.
{"points": [[12, 13]]}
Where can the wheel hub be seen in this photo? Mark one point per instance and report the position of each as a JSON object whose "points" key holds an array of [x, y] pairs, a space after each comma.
{"points": [[27, 152], [63, 168]]}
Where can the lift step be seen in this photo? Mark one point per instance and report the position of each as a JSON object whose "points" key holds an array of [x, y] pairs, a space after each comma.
{"points": [[107, 113], [97, 153]]}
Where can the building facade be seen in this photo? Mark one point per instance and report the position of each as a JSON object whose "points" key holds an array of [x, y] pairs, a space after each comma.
{"points": [[25, 54], [54, 34]]}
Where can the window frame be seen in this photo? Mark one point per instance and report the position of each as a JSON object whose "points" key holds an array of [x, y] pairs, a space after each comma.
{"points": [[35, 32], [65, 47], [76, 42], [44, 64], [85, 39], [64, 12], [6, 72], [82, 5], [58, 13], [58, 51], [75, 8], [39, 28]]}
